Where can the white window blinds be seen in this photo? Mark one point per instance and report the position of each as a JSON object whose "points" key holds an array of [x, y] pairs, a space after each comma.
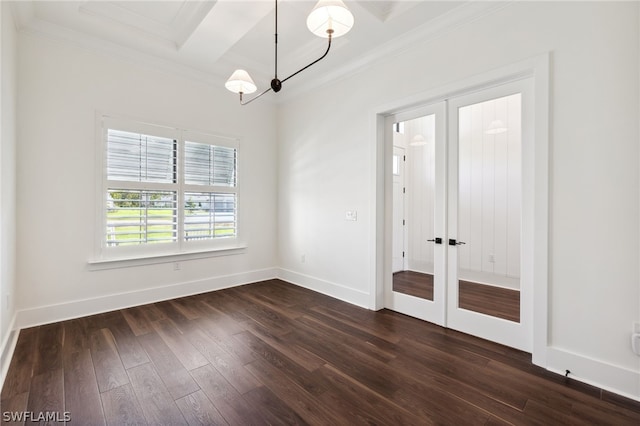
{"points": [[209, 212], [206, 164], [161, 189], [140, 158], [140, 217]]}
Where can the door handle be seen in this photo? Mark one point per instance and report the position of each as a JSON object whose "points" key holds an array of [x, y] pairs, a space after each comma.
{"points": [[453, 242], [436, 240]]}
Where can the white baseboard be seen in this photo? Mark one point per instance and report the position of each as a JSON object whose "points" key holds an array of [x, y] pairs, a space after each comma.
{"points": [[346, 294], [79, 308], [6, 350], [612, 378]]}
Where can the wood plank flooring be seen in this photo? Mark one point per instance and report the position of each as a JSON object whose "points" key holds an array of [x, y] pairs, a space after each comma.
{"points": [[491, 300], [274, 353], [414, 284]]}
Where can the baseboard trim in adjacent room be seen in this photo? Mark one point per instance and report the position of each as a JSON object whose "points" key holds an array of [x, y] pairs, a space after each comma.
{"points": [[7, 349], [337, 291], [79, 308], [608, 377]]}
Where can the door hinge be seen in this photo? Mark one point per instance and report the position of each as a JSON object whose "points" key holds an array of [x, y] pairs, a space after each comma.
{"points": [[403, 222], [404, 190], [403, 254], [404, 158]]}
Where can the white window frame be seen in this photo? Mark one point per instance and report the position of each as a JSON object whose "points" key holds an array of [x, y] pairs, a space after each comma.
{"points": [[140, 254]]}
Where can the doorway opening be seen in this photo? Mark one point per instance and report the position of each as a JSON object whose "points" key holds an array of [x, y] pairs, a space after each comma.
{"points": [[460, 183]]}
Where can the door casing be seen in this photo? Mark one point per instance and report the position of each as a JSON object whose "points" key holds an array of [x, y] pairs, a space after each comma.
{"points": [[538, 68]]}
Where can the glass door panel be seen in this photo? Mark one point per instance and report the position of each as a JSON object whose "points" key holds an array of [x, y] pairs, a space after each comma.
{"points": [[398, 171], [485, 214], [418, 213], [414, 146], [489, 199]]}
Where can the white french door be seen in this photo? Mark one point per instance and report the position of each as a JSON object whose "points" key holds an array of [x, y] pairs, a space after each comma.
{"points": [[420, 136], [490, 186], [477, 197]]}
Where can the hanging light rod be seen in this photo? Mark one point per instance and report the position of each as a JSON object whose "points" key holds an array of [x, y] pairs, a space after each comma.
{"points": [[329, 18]]}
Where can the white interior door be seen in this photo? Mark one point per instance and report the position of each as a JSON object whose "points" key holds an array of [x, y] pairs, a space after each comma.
{"points": [[468, 212], [490, 183], [418, 288]]}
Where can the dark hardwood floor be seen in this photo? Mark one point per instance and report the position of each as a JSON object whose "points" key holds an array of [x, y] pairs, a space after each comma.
{"points": [[491, 300], [274, 353], [413, 283]]}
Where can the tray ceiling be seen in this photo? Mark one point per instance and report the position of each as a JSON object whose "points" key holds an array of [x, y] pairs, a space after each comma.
{"points": [[209, 39]]}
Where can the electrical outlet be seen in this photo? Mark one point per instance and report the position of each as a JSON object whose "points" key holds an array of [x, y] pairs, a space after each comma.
{"points": [[351, 215], [492, 258], [177, 266]]}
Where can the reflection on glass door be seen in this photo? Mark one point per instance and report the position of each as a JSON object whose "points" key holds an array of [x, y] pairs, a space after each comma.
{"points": [[417, 288], [398, 263], [488, 292], [415, 139], [489, 200]]}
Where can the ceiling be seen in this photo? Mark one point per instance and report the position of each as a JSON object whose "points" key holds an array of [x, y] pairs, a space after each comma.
{"points": [[209, 39]]}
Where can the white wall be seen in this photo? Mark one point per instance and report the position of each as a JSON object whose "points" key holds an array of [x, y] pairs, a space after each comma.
{"points": [[61, 87], [8, 87], [327, 167]]}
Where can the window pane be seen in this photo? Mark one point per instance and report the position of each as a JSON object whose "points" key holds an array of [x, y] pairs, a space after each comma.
{"points": [[209, 215], [140, 158], [140, 217], [209, 165]]}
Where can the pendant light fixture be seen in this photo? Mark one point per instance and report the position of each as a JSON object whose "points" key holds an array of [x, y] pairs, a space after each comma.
{"points": [[328, 19], [496, 127]]}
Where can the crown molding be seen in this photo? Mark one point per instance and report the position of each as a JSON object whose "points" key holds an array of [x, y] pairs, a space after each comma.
{"points": [[28, 23], [175, 31], [62, 35], [23, 13]]}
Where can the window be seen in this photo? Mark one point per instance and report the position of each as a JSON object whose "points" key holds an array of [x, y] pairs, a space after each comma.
{"points": [[167, 190], [396, 165]]}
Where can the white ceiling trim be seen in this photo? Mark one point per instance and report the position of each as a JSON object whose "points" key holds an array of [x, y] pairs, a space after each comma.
{"points": [[176, 30], [23, 13], [385, 10], [65, 36], [462, 15]]}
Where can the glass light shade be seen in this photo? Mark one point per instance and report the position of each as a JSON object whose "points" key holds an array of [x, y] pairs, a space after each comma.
{"points": [[496, 127], [240, 82], [330, 14], [418, 140]]}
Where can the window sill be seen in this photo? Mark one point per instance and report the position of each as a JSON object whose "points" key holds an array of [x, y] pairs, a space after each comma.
{"points": [[153, 259]]}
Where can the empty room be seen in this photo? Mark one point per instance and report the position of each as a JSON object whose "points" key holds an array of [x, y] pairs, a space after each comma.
{"points": [[336, 212]]}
